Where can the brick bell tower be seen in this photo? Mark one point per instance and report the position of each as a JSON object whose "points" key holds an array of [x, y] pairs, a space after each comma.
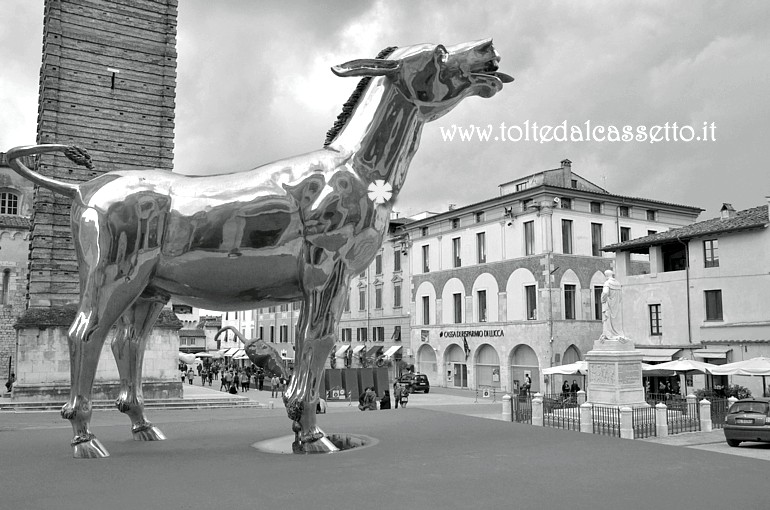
{"points": [[107, 84]]}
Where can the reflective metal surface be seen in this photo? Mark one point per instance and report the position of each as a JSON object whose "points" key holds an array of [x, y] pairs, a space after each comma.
{"points": [[295, 229]]}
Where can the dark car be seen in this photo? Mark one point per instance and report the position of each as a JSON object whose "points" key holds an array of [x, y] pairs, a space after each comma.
{"points": [[415, 382], [748, 420]]}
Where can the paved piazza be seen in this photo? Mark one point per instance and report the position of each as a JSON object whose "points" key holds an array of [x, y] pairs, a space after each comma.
{"points": [[440, 452]]}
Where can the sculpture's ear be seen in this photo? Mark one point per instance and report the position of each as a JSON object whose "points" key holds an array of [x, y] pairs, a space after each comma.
{"points": [[367, 67]]}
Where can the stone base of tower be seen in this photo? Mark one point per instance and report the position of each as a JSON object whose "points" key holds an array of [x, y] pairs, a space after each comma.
{"points": [[43, 365], [615, 375]]}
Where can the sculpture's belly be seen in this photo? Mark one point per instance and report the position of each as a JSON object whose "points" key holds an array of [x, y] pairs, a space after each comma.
{"points": [[224, 281]]}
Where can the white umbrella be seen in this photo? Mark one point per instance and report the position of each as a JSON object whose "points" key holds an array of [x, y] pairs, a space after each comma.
{"points": [[187, 358], [686, 365], [653, 371], [753, 366], [579, 367], [203, 355]]}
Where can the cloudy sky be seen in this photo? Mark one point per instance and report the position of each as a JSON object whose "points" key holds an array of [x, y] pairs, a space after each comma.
{"points": [[254, 86]]}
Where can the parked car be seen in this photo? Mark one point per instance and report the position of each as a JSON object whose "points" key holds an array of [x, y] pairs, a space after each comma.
{"points": [[415, 382], [748, 420]]}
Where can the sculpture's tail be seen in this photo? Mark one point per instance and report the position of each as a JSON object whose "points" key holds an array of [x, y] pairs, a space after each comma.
{"points": [[74, 154]]}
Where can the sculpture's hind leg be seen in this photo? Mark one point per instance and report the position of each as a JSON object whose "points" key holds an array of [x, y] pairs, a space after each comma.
{"points": [[128, 347], [316, 335]]}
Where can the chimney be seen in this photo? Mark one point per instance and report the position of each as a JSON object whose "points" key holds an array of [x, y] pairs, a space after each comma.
{"points": [[727, 211], [566, 167]]}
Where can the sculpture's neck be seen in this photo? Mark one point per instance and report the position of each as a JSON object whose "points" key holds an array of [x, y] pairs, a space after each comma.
{"points": [[382, 136]]}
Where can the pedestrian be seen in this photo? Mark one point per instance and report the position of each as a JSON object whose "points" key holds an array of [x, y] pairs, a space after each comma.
{"points": [[575, 387], [10, 381], [204, 376], [223, 383], [190, 375], [183, 371], [367, 401], [527, 384], [245, 381], [211, 376], [260, 378], [236, 380], [385, 402], [565, 389], [274, 383], [397, 390]]}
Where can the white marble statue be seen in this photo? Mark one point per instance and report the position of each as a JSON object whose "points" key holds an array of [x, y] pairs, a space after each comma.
{"points": [[612, 310]]}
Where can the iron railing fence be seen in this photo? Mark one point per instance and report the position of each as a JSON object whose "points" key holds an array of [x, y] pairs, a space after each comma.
{"points": [[683, 418], [559, 401], [563, 418], [719, 408], [643, 421], [606, 420], [522, 408]]}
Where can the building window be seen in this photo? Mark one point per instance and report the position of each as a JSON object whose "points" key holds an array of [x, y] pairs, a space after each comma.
{"points": [[529, 238], [458, 307], [426, 310], [482, 300], [9, 203], [455, 223], [456, 260], [652, 215], [361, 299], [711, 253], [378, 264], [625, 234], [361, 334], [623, 211], [347, 335], [596, 207], [713, 305], [272, 333], [481, 247], [566, 236], [596, 239], [525, 204], [396, 295], [566, 203], [378, 334], [480, 217], [261, 333], [347, 304], [530, 294], [378, 298], [521, 186], [570, 293], [655, 328], [574, 183], [397, 261], [424, 231], [598, 302], [284, 333], [396, 334], [284, 308], [426, 259]]}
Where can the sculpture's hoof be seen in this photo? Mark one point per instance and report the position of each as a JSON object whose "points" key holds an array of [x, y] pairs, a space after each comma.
{"points": [[321, 445], [148, 433], [91, 449]]}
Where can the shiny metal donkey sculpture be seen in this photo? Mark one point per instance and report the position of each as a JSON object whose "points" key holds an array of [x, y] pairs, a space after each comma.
{"points": [[296, 229]]}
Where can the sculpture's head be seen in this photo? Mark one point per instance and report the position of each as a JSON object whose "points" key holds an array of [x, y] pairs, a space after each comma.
{"points": [[433, 77], [265, 357]]}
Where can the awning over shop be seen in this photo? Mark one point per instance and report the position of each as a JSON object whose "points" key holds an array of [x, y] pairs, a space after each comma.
{"points": [[393, 349], [712, 353], [341, 351], [231, 351], [374, 351], [657, 354], [240, 354], [358, 348]]}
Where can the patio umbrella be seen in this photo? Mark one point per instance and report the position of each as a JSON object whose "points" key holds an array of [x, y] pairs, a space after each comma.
{"points": [[653, 371], [753, 366], [579, 367], [759, 366], [686, 366], [203, 355]]}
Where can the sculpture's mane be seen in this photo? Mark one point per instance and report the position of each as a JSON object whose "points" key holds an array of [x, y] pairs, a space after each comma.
{"points": [[352, 102]]}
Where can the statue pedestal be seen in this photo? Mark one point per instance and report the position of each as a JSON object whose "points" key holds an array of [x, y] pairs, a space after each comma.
{"points": [[615, 374]]}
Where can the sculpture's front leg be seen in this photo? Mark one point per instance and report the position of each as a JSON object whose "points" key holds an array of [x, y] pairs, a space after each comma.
{"points": [[316, 336]]}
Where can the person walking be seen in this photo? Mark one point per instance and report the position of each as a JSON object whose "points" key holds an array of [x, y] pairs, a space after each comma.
{"points": [[190, 375], [245, 381], [397, 390], [204, 376], [260, 379], [274, 384]]}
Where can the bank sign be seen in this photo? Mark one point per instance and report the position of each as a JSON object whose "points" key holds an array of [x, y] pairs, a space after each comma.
{"points": [[466, 333]]}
